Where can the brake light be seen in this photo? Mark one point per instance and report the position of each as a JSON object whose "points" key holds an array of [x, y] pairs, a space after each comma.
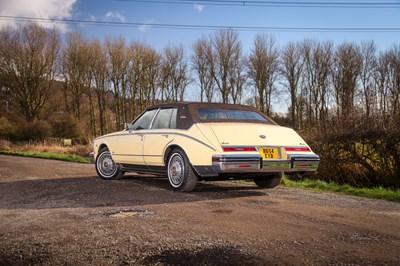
{"points": [[297, 149], [238, 149]]}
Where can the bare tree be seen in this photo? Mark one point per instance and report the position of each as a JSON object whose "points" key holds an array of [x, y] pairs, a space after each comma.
{"points": [[394, 79], [317, 65], [292, 67], [381, 80], [28, 65], [152, 65], [202, 63], [227, 57], [118, 63], [367, 73], [238, 77], [76, 71], [100, 84], [144, 75], [175, 73], [263, 66], [135, 77], [346, 70]]}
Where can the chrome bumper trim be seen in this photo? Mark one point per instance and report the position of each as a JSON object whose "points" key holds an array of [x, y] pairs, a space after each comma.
{"points": [[91, 157], [303, 163], [254, 164], [237, 163]]}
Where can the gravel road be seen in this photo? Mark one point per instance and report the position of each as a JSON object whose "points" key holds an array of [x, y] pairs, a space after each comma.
{"points": [[60, 213]]}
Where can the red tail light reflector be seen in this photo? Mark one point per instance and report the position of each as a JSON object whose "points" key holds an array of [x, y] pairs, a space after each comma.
{"points": [[216, 159], [301, 149], [230, 149]]}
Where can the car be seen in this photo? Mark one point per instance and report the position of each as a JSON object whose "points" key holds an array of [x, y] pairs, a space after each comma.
{"points": [[193, 141]]}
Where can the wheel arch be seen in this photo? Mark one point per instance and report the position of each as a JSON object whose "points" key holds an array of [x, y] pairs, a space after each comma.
{"points": [[197, 149], [169, 150], [101, 146]]}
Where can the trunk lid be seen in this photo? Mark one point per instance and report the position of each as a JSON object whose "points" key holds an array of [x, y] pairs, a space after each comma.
{"points": [[253, 134]]}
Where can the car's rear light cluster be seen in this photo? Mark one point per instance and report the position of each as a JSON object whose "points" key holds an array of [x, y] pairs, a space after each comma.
{"points": [[238, 149], [297, 149]]}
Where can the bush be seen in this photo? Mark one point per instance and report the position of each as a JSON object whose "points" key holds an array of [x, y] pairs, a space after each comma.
{"points": [[36, 130], [65, 127], [7, 129], [362, 155]]}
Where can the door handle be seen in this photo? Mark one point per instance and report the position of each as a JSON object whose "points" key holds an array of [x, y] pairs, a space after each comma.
{"points": [[165, 135]]}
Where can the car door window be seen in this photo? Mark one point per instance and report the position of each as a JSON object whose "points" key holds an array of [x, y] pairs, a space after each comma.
{"points": [[166, 118], [143, 122]]}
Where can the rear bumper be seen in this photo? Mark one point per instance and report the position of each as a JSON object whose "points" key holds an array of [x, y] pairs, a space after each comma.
{"points": [[236, 164], [303, 163]]}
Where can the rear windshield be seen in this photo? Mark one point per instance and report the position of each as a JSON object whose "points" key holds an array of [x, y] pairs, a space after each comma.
{"points": [[230, 115]]}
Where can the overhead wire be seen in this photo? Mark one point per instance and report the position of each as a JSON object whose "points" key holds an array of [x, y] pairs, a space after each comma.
{"points": [[201, 27], [236, 3], [315, 4]]}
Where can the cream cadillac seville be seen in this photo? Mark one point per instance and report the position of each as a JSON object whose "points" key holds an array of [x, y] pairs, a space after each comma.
{"points": [[191, 141]]}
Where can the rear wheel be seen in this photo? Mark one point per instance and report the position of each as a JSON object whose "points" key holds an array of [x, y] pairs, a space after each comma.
{"points": [[106, 168], [269, 181], [181, 176]]}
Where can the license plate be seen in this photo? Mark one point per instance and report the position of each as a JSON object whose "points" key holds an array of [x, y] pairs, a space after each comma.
{"points": [[269, 153]]}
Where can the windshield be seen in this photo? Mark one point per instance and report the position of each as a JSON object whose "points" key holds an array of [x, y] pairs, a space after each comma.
{"points": [[230, 115]]}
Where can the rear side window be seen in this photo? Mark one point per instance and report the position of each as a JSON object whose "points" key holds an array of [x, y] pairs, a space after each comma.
{"points": [[230, 115], [166, 118]]}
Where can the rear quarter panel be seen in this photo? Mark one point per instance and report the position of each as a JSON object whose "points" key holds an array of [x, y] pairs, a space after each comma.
{"points": [[196, 145]]}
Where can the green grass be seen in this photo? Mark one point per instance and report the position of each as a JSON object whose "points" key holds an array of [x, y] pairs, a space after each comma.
{"points": [[373, 193], [48, 155]]}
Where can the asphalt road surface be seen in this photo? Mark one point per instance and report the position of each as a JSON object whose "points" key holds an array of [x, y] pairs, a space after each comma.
{"points": [[60, 213]]}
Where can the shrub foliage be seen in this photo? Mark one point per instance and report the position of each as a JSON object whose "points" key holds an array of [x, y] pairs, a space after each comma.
{"points": [[358, 154]]}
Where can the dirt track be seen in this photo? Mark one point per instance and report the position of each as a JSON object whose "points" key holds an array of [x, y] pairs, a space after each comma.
{"points": [[54, 213]]}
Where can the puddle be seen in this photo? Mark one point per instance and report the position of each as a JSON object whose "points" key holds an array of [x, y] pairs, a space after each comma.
{"points": [[125, 213]]}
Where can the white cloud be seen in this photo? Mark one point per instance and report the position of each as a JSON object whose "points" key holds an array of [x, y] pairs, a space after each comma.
{"points": [[146, 25], [198, 7], [55, 9], [115, 15]]}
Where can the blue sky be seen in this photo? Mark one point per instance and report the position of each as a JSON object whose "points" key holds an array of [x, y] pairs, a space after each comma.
{"points": [[201, 13], [136, 18], [242, 16]]}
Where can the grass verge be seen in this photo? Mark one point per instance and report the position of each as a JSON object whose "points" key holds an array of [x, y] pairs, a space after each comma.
{"points": [[48, 155], [373, 193]]}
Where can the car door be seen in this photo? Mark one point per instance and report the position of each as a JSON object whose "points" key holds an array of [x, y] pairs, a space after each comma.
{"points": [[158, 137], [129, 149]]}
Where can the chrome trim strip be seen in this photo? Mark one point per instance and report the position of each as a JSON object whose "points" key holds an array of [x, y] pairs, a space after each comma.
{"points": [[197, 140], [161, 133], [231, 164], [178, 134]]}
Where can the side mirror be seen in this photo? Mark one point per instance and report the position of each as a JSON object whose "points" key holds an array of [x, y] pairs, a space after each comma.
{"points": [[127, 126]]}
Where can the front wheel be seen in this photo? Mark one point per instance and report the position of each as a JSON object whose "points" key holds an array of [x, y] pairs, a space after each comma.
{"points": [[181, 176], [106, 168], [269, 181]]}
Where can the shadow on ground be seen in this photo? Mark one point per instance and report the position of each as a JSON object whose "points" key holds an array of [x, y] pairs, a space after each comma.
{"points": [[134, 190]]}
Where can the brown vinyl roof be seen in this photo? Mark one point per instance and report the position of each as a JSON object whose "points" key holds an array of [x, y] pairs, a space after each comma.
{"points": [[187, 114]]}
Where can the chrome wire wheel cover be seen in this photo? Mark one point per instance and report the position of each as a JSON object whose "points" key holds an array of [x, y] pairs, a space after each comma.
{"points": [[176, 170], [105, 164]]}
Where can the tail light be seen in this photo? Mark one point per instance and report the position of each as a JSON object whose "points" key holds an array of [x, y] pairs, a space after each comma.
{"points": [[297, 149], [238, 149]]}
